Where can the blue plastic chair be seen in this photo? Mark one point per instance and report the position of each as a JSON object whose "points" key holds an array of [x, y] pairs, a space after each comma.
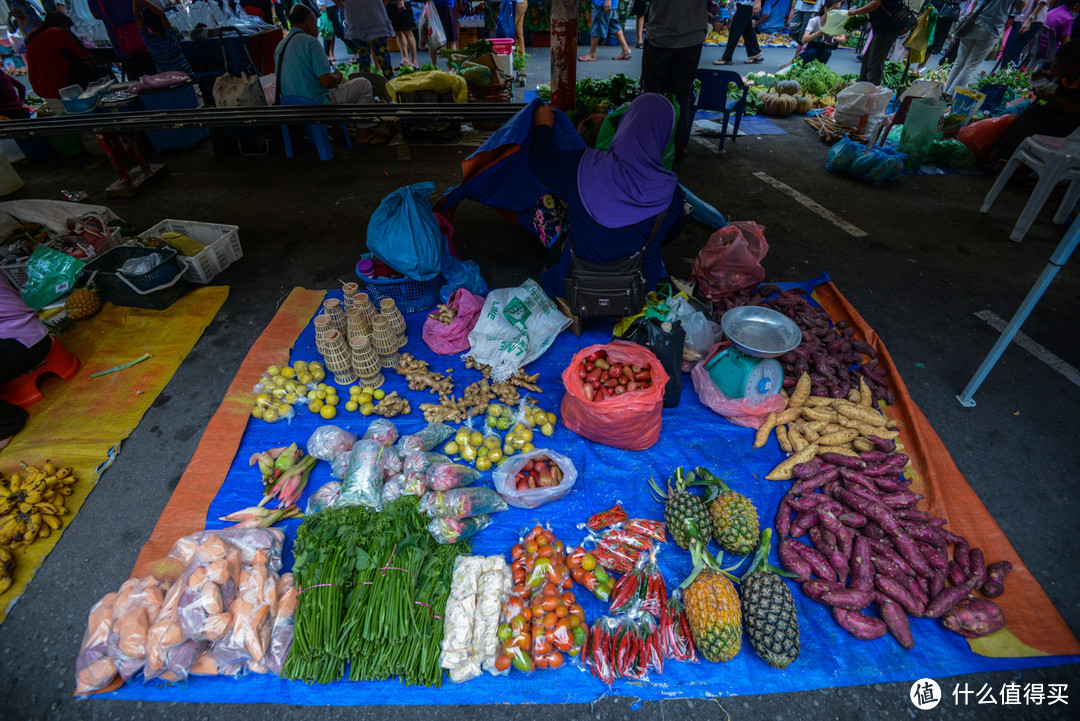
{"points": [[317, 133], [714, 96]]}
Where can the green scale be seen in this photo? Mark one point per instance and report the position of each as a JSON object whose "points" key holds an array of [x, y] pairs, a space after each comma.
{"points": [[748, 368]]}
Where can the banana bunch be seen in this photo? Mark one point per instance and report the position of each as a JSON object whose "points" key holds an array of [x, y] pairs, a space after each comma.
{"points": [[31, 503], [7, 569]]}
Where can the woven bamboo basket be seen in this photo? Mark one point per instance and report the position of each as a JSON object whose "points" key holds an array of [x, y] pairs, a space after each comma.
{"points": [[365, 362], [339, 358], [332, 307], [390, 310], [363, 302], [357, 325], [349, 290], [322, 325]]}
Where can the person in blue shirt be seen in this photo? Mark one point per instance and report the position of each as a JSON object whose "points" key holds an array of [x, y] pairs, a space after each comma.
{"points": [[613, 197], [605, 22], [304, 70], [160, 37]]}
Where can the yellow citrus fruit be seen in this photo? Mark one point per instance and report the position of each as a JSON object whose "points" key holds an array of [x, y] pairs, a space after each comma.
{"points": [[332, 400], [262, 398], [363, 398], [378, 394], [270, 415], [546, 429], [256, 412], [491, 441], [528, 447], [482, 452], [315, 406], [311, 395], [476, 439], [367, 409], [318, 375], [351, 405], [483, 464], [273, 371], [493, 409], [551, 418], [304, 377], [451, 448], [367, 389], [321, 394], [288, 372], [354, 390], [328, 412], [495, 455]]}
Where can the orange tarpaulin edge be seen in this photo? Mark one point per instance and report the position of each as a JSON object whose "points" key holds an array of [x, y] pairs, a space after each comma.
{"points": [[185, 513], [1030, 614]]}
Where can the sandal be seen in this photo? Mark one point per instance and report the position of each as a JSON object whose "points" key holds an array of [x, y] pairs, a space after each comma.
{"points": [[623, 56], [721, 62], [754, 60]]}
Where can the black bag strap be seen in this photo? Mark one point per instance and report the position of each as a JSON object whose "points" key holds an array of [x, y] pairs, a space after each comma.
{"points": [[277, 70], [652, 233]]}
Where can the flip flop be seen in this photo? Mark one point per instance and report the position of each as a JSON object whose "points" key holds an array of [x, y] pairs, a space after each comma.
{"points": [[754, 60], [624, 56], [586, 59], [721, 62]]}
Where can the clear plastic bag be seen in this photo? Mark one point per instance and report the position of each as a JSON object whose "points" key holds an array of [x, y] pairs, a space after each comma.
{"points": [[427, 438], [362, 485], [504, 475], [255, 545], [383, 431], [282, 634], [94, 670], [415, 483], [252, 612], [493, 589], [452, 530], [329, 442], [422, 461], [461, 503], [444, 476], [458, 619], [340, 465], [701, 333], [136, 607], [393, 489], [393, 462]]}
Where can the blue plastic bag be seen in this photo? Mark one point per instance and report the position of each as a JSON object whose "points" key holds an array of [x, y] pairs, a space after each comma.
{"points": [[842, 153], [404, 234], [504, 24], [461, 274]]}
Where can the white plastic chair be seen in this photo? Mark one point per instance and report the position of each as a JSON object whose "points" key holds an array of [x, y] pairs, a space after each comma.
{"points": [[1054, 160]]}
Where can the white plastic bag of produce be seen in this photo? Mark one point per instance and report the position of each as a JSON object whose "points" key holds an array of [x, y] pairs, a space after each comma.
{"points": [[862, 105], [515, 327]]}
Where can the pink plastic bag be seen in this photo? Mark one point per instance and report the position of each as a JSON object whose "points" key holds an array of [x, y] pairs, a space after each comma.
{"points": [[630, 421], [736, 410], [731, 260], [454, 338]]}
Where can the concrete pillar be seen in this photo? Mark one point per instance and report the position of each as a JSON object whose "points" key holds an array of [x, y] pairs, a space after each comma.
{"points": [[564, 32]]}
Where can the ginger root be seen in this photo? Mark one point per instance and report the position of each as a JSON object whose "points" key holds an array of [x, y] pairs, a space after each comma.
{"points": [[393, 405]]}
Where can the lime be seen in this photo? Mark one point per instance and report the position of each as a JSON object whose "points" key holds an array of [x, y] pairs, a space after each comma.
{"points": [[367, 409], [317, 375], [328, 412], [367, 389], [273, 371], [547, 429], [354, 390], [482, 452], [351, 405], [311, 395], [491, 441], [378, 394], [363, 398], [270, 415], [256, 412], [332, 400], [287, 372], [476, 439], [495, 455], [262, 398], [321, 394], [483, 464], [315, 406], [451, 448], [524, 449]]}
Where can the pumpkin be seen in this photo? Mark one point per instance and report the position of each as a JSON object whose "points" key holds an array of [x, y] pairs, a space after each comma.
{"points": [[788, 87], [803, 104], [778, 105]]}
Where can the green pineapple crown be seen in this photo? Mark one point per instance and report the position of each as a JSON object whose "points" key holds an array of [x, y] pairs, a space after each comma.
{"points": [[701, 557], [761, 559]]}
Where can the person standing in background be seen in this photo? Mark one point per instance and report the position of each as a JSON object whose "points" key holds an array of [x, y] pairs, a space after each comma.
{"points": [[1025, 26], [404, 23], [448, 16], [948, 13], [881, 13], [675, 32], [605, 22], [801, 12], [162, 40], [24, 344], [977, 43], [638, 10], [1060, 19], [742, 26], [367, 27], [326, 33]]}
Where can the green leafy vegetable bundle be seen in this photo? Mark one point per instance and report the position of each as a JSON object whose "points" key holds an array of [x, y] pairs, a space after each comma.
{"points": [[372, 590]]}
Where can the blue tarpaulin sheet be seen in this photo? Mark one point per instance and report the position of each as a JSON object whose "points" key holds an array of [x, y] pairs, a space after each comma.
{"points": [[692, 435]]}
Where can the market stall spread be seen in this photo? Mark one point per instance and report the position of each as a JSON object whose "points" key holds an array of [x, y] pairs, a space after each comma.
{"points": [[554, 556]]}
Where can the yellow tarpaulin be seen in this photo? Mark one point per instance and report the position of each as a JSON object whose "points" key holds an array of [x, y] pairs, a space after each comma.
{"points": [[434, 80], [81, 422]]}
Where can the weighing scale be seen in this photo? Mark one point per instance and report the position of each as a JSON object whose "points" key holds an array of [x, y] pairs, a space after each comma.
{"points": [[749, 369]]}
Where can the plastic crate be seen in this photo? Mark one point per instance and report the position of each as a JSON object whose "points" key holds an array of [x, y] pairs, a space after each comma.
{"points": [[410, 296], [222, 246], [16, 270], [502, 46], [155, 290]]}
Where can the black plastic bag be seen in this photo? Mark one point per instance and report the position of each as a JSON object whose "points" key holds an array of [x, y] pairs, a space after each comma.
{"points": [[666, 341]]}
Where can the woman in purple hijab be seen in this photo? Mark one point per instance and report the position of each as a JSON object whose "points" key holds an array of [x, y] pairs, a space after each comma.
{"points": [[612, 197]]}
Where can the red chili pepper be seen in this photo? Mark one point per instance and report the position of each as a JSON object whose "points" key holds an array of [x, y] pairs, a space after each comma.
{"points": [[624, 592], [644, 651], [610, 517], [646, 527]]}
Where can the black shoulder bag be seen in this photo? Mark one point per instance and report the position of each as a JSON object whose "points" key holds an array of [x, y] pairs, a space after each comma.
{"points": [[608, 290]]}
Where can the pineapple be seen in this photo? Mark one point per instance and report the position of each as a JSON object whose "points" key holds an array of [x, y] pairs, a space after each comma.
{"points": [[82, 303], [768, 610], [734, 519], [712, 605], [681, 506]]}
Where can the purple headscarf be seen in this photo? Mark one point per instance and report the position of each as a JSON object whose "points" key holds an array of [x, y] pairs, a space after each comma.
{"points": [[628, 183]]}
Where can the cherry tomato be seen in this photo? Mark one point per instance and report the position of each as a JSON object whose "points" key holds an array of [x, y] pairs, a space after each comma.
{"points": [[517, 551], [502, 662], [554, 660]]}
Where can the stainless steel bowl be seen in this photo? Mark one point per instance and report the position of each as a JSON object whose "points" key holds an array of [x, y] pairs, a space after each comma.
{"points": [[760, 332]]}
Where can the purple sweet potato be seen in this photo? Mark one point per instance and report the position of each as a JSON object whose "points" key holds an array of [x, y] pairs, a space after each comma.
{"points": [[807, 470], [853, 476], [881, 469], [792, 560], [934, 555], [874, 531], [830, 522], [782, 522], [808, 485], [873, 456], [859, 625], [962, 556], [978, 566], [883, 444], [845, 541], [852, 519], [843, 461], [995, 578], [931, 535], [956, 574], [802, 522], [805, 504], [919, 584], [862, 569], [900, 594], [902, 499], [907, 549], [831, 489], [889, 485], [897, 459], [833, 594], [912, 514], [949, 598], [817, 560], [937, 583], [891, 558], [974, 617], [896, 620]]}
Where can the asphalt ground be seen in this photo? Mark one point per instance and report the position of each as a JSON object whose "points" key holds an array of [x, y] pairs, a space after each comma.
{"points": [[929, 263]]}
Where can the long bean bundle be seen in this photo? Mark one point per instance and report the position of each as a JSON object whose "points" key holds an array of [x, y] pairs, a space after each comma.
{"points": [[372, 590]]}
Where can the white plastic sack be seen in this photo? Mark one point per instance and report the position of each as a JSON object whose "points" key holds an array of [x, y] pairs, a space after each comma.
{"points": [[861, 105], [515, 327], [701, 333], [431, 30]]}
